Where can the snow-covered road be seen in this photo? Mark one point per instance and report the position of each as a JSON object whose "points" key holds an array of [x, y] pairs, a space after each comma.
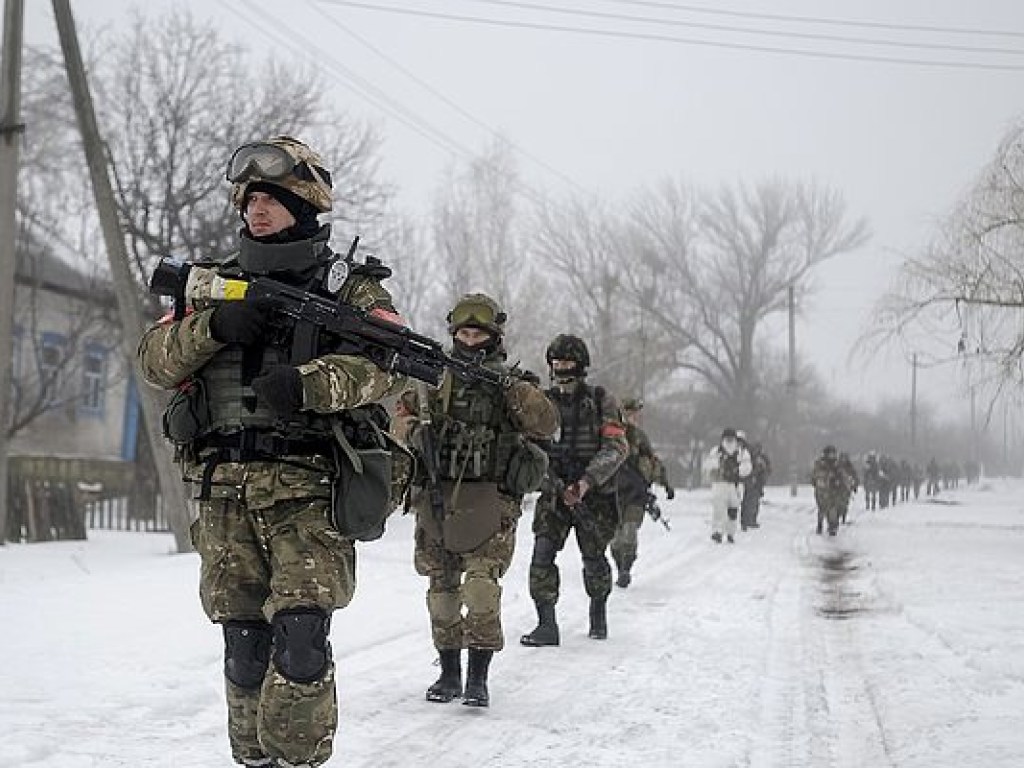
{"points": [[898, 643]]}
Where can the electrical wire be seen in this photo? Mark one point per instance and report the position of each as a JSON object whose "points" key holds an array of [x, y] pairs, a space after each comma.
{"points": [[766, 32], [622, 34]]}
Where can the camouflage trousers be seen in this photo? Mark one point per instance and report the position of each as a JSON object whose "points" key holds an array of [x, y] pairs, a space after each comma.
{"points": [[594, 522], [255, 563], [464, 591], [624, 543], [828, 509]]}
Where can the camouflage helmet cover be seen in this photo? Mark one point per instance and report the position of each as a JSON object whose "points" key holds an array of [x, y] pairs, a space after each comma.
{"points": [[477, 310], [313, 183], [565, 346]]}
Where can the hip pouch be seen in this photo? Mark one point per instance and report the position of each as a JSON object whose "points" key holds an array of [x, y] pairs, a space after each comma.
{"points": [[187, 415], [361, 494]]}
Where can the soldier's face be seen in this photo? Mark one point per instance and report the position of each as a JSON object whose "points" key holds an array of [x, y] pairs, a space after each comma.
{"points": [[266, 216], [563, 365], [472, 337]]}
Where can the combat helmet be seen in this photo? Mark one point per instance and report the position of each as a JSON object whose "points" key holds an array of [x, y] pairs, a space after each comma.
{"points": [[477, 310], [285, 162], [565, 346]]}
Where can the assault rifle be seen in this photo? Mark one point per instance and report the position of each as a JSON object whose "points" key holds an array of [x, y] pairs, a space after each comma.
{"points": [[561, 466], [654, 511], [392, 347]]}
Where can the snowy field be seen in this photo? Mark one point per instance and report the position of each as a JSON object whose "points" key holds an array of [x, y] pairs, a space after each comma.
{"points": [[898, 643]]}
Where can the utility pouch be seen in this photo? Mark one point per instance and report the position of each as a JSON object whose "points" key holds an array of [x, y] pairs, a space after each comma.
{"points": [[361, 491], [527, 467], [187, 415]]}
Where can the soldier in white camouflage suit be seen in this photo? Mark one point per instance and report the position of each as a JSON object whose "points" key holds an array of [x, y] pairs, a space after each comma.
{"points": [[256, 436]]}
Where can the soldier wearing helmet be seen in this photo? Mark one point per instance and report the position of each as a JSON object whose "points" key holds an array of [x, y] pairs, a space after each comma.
{"points": [[638, 472], [256, 433], [830, 485], [727, 465], [580, 492], [482, 438]]}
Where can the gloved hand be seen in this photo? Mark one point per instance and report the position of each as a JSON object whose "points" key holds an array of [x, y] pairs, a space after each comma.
{"points": [[670, 492], [574, 493], [241, 322], [281, 389]]}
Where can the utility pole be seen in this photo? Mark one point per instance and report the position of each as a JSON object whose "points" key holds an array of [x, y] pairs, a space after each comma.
{"points": [[791, 387], [10, 137], [171, 488], [913, 404]]}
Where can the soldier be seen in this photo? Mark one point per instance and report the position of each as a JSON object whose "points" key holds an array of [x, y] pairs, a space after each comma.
{"points": [[726, 466], [829, 483], [850, 486], [258, 437], [579, 493], [753, 486], [640, 469], [483, 456]]}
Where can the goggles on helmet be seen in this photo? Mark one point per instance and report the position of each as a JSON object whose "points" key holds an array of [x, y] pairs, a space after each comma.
{"points": [[481, 315], [267, 161]]}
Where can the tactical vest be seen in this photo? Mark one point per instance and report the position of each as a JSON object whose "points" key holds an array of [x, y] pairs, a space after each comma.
{"points": [[730, 466], [582, 417], [475, 437]]}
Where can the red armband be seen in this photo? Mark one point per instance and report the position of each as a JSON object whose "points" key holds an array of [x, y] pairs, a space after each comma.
{"points": [[612, 430], [169, 317], [387, 314]]}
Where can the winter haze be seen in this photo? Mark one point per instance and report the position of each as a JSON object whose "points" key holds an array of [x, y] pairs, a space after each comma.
{"points": [[603, 115]]}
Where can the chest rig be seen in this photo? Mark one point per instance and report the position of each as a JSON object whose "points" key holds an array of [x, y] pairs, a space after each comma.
{"points": [[582, 416]]}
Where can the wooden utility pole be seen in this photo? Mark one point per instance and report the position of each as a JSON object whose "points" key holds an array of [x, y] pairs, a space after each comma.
{"points": [[913, 403], [10, 137], [172, 492], [791, 387]]}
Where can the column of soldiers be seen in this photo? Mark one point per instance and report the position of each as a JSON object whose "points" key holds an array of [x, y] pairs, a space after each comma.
{"points": [[293, 459]]}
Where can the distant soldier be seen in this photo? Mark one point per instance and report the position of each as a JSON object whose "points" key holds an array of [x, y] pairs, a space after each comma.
{"points": [[640, 469], [829, 486], [753, 487], [872, 480], [934, 476], [580, 493], [852, 483], [726, 466]]}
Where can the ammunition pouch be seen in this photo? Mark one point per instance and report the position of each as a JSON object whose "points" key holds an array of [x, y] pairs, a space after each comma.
{"points": [[526, 468], [362, 492], [187, 415]]}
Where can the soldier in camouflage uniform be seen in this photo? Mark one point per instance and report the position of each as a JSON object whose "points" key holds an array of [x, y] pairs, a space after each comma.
{"points": [[254, 435], [579, 493], [486, 463], [640, 469], [850, 486], [830, 486]]}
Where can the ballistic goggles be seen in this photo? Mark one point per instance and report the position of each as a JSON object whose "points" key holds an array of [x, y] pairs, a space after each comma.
{"points": [[262, 161], [480, 315]]}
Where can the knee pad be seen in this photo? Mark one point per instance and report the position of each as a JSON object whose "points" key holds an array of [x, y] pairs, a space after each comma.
{"points": [[544, 551], [247, 652], [301, 650]]}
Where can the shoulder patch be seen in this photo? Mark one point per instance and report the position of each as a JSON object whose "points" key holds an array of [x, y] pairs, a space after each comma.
{"points": [[611, 429]]}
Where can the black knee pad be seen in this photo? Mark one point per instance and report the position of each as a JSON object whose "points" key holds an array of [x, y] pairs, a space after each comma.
{"points": [[544, 551], [301, 650], [247, 652]]}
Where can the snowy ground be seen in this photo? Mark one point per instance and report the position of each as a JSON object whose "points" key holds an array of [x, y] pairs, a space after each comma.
{"points": [[899, 643]]}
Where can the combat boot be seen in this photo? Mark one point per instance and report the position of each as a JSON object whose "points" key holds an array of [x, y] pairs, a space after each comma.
{"points": [[624, 579], [546, 632], [716, 537], [476, 678], [449, 684], [598, 618]]}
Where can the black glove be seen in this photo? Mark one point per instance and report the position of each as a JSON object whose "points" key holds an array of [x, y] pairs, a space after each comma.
{"points": [[241, 322], [670, 492], [281, 389]]}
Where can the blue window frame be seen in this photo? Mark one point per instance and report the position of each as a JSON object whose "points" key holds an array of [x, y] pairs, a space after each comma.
{"points": [[94, 377]]}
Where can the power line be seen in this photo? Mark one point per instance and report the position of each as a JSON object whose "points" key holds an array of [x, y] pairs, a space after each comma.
{"points": [[821, 20], [744, 30], [622, 34], [451, 103]]}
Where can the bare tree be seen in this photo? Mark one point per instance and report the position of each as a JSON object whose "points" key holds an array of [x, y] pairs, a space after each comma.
{"points": [[962, 298], [728, 263]]}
